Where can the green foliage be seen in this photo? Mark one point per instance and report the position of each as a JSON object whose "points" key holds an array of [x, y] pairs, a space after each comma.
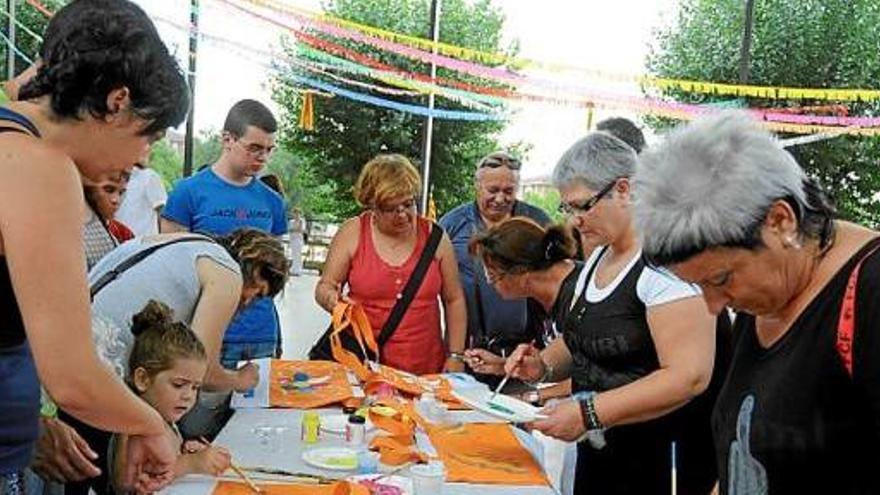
{"points": [[167, 162], [35, 21], [348, 133], [548, 201], [805, 43]]}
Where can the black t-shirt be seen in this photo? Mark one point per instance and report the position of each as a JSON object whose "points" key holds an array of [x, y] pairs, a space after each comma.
{"points": [[789, 418]]}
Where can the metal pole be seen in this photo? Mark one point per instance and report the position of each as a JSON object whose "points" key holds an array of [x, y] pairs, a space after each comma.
{"points": [[429, 122], [193, 52], [10, 53], [746, 46]]}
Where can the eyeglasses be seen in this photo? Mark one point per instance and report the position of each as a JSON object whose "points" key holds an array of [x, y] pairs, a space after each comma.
{"points": [[496, 160], [581, 208], [256, 150], [405, 207]]}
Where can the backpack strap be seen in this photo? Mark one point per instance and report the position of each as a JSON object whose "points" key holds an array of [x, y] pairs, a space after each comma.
{"points": [[846, 325], [133, 260]]}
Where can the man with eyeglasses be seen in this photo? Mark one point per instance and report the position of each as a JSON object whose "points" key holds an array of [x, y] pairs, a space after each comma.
{"points": [[494, 324], [222, 198]]}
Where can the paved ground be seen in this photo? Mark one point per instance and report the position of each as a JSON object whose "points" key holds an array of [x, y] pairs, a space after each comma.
{"points": [[302, 320]]}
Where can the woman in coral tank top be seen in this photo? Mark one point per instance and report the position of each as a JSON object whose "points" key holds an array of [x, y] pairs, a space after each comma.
{"points": [[375, 253]]}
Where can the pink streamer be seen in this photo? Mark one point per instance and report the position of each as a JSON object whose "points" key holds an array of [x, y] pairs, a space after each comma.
{"points": [[644, 103]]}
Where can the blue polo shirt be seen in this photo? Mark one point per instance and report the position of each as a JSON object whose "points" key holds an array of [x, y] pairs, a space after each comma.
{"points": [[208, 204], [501, 317]]}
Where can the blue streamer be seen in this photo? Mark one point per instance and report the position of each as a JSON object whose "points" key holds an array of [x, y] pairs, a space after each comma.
{"points": [[402, 107], [15, 48]]}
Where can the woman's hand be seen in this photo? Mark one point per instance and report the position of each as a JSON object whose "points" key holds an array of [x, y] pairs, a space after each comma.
{"points": [[62, 455], [485, 362], [525, 363], [453, 365], [248, 376], [564, 421]]}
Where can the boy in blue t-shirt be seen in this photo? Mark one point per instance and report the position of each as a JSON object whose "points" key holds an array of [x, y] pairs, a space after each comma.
{"points": [[227, 196]]}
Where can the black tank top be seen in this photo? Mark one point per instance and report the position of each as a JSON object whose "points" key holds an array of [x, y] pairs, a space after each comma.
{"points": [[11, 325]]}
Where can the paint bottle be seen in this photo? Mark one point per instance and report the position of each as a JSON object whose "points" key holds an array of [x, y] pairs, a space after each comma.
{"points": [[355, 430], [311, 426]]}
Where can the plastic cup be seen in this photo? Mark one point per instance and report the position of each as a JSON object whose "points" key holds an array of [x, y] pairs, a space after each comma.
{"points": [[428, 479]]}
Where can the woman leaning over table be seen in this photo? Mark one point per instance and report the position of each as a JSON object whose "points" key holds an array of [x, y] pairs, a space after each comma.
{"points": [[723, 205], [375, 253], [106, 88], [638, 343]]}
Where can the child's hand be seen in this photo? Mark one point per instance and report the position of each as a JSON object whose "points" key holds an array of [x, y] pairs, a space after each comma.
{"points": [[211, 460]]}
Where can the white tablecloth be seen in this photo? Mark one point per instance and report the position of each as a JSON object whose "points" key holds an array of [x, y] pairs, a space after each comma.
{"points": [[271, 438]]}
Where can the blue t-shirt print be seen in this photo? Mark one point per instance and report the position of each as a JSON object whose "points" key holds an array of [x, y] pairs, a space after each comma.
{"points": [[207, 203]]}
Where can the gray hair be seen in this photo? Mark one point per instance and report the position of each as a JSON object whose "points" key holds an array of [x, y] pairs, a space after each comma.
{"points": [[711, 183], [595, 160]]}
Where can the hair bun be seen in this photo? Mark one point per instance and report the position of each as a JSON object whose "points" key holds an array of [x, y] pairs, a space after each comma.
{"points": [[155, 315]]}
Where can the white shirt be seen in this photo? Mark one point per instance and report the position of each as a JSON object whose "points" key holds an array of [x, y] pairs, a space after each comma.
{"points": [[144, 195]]}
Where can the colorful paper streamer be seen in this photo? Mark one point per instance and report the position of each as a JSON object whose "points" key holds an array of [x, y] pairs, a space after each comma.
{"points": [[497, 58]]}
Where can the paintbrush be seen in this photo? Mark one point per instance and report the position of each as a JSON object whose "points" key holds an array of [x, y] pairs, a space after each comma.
{"points": [[249, 482]]}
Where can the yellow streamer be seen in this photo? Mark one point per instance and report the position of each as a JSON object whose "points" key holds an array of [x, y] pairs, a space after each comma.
{"points": [[307, 112], [497, 58]]}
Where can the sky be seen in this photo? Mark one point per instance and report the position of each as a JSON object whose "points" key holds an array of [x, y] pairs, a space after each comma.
{"points": [[611, 36]]}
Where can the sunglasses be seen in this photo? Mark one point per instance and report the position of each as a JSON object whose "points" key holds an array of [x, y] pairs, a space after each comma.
{"points": [[574, 208], [495, 161]]}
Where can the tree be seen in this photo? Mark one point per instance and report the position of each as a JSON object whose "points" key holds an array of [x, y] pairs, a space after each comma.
{"points": [[35, 21], [348, 133], [806, 43], [547, 200]]}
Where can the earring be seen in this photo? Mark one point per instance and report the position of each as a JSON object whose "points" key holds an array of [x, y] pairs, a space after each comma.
{"points": [[791, 242]]}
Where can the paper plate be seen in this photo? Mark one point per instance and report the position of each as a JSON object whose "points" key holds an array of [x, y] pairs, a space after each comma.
{"points": [[332, 458], [335, 423], [502, 406], [404, 484]]}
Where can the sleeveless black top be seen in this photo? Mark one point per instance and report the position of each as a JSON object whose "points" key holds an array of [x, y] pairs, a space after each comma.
{"points": [[611, 346], [11, 325], [19, 387]]}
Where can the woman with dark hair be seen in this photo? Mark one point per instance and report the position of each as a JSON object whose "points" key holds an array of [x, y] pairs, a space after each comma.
{"points": [[725, 207], [106, 88]]}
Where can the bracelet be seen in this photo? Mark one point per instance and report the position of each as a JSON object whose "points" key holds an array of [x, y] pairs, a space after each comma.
{"points": [[588, 411]]}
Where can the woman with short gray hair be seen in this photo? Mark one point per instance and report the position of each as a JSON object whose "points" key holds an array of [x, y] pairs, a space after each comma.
{"points": [[724, 206], [637, 343]]}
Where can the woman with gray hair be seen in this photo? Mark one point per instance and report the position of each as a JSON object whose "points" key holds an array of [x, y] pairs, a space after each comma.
{"points": [[724, 206], [638, 344]]}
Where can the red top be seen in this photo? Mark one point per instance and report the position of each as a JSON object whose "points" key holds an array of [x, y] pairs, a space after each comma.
{"points": [[119, 230], [417, 344]]}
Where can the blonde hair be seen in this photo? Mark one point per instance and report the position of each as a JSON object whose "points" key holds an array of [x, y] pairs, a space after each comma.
{"points": [[384, 178]]}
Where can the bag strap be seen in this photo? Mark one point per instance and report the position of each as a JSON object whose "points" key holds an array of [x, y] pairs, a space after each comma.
{"points": [[133, 260], [17, 118], [412, 285], [846, 325]]}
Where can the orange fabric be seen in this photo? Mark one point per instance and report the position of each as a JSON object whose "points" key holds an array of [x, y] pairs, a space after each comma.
{"points": [[398, 447], [351, 316], [397, 450], [485, 453], [337, 389], [269, 488]]}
